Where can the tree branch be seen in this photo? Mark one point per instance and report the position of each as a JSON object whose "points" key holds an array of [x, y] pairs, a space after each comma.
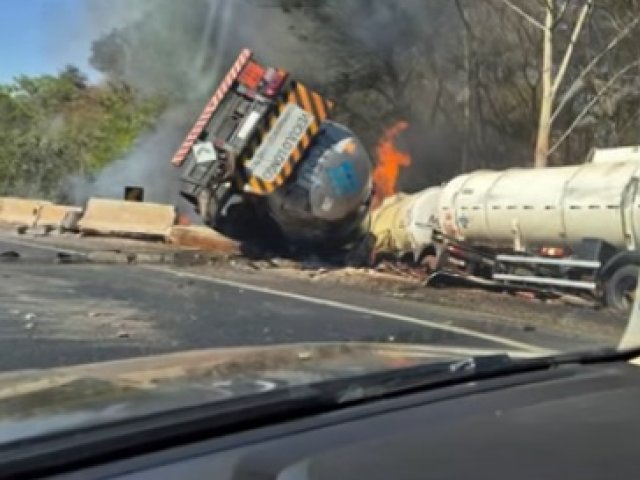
{"points": [[562, 12], [612, 44], [463, 17], [577, 29], [593, 101], [528, 17]]}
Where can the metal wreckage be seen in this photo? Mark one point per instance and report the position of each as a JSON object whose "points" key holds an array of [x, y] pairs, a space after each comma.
{"points": [[264, 156], [264, 163]]}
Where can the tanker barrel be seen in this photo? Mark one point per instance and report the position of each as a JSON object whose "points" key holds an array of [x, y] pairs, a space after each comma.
{"points": [[405, 223], [529, 208]]}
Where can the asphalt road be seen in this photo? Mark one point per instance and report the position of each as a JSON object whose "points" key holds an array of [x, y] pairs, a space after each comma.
{"points": [[55, 314]]}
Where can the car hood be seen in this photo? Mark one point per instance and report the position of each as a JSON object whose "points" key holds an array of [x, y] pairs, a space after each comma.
{"points": [[37, 402]]}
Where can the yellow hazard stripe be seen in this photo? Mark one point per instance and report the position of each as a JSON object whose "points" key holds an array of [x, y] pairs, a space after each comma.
{"points": [[288, 168], [255, 186], [291, 98], [321, 110], [305, 101]]}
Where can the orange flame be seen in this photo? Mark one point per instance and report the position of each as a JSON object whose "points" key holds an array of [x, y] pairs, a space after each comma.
{"points": [[390, 161], [183, 220]]}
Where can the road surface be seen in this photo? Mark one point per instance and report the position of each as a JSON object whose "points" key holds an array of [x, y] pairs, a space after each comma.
{"points": [[55, 314]]}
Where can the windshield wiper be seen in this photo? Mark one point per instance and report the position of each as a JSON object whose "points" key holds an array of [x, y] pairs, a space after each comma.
{"points": [[395, 382], [390, 382]]}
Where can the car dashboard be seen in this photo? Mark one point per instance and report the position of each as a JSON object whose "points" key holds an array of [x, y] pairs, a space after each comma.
{"points": [[567, 422]]}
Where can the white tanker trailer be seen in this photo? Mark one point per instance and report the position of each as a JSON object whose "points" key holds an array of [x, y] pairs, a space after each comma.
{"points": [[571, 228]]}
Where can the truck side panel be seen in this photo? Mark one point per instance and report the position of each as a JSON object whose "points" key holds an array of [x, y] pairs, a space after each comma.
{"points": [[544, 207]]}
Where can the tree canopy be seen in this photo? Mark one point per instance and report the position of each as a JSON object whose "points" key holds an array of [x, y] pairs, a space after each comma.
{"points": [[53, 126], [470, 75], [475, 80]]}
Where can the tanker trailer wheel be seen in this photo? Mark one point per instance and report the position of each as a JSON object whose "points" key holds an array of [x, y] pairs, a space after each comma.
{"points": [[620, 288]]}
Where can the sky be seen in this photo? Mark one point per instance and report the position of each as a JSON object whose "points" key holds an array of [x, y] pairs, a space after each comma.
{"points": [[42, 36]]}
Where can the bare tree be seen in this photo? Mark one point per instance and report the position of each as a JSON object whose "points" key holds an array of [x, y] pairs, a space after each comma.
{"points": [[466, 41], [556, 16], [554, 11]]}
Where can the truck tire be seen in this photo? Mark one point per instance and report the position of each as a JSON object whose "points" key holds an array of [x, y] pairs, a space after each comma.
{"points": [[620, 288]]}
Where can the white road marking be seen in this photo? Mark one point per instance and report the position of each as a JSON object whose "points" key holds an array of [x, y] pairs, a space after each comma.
{"points": [[356, 309], [321, 301]]}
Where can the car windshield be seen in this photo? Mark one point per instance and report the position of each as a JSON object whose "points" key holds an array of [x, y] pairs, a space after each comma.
{"points": [[211, 199]]}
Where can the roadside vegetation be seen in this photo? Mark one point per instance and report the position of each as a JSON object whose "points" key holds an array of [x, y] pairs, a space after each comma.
{"points": [[490, 84], [54, 126]]}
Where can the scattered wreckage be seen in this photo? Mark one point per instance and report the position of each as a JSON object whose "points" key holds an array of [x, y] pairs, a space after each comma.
{"points": [[572, 229], [264, 157], [264, 154]]}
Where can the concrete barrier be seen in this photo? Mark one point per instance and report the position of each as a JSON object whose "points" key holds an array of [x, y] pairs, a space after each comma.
{"points": [[54, 215], [118, 217], [20, 211]]}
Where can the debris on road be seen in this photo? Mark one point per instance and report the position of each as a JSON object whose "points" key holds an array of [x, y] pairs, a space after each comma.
{"points": [[123, 334], [70, 221], [67, 258], [9, 256], [202, 238], [264, 164], [111, 257], [402, 270]]}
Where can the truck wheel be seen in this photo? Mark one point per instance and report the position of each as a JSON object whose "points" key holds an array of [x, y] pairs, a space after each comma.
{"points": [[620, 289]]}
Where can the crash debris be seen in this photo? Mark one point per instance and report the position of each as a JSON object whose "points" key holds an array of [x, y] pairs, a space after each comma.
{"points": [[558, 232], [202, 238], [268, 174]]}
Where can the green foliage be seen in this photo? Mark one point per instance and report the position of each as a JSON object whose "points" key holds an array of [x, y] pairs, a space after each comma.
{"points": [[55, 126]]}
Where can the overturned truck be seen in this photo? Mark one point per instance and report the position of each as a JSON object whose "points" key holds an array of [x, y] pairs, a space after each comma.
{"points": [[570, 229], [263, 158]]}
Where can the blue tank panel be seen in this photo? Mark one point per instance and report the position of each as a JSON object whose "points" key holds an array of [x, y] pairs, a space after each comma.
{"points": [[327, 198]]}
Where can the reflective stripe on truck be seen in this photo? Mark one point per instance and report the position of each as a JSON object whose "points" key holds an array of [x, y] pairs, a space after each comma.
{"points": [[211, 107], [315, 109]]}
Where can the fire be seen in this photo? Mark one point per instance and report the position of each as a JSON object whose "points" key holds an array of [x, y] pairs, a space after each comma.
{"points": [[390, 161], [183, 220]]}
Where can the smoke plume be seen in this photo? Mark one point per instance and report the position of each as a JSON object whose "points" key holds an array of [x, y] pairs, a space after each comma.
{"points": [[181, 49]]}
